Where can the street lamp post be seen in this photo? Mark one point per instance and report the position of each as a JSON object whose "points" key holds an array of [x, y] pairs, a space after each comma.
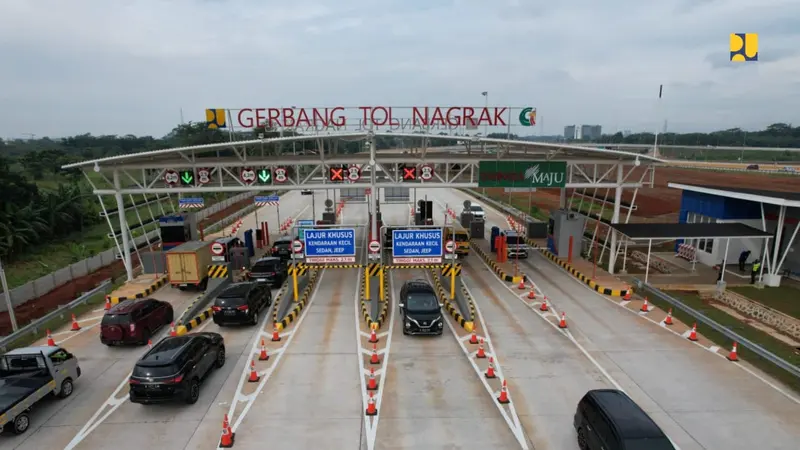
{"points": [[486, 105]]}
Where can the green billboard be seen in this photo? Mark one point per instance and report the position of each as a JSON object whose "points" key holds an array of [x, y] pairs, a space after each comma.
{"points": [[523, 174]]}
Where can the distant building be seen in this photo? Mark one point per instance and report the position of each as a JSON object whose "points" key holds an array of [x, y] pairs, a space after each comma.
{"points": [[588, 132]]}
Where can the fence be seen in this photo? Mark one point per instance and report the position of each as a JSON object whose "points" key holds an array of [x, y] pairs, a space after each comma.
{"points": [[47, 283]]}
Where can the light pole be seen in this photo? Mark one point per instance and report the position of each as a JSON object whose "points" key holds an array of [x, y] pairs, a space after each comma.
{"points": [[485, 94], [7, 292]]}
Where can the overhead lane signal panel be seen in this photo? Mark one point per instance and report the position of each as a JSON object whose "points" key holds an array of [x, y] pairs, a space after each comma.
{"points": [[337, 173], [409, 173], [264, 176]]}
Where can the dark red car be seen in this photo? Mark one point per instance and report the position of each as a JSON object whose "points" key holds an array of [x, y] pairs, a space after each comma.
{"points": [[134, 321]]}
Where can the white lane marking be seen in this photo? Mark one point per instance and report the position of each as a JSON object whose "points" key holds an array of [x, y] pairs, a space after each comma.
{"points": [[371, 422], [510, 416], [83, 327], [251, 398]]}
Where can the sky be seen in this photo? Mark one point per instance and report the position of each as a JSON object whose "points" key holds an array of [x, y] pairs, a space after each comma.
{"points": [[131, 66]]}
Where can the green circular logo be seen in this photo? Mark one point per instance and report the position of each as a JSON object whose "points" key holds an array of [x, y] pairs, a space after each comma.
{"points": [[527, 117]]}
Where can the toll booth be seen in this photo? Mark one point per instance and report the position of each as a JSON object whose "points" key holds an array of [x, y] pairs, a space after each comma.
{"points": [[177, 228], [230, 243], [248, 243], [565, 227]]}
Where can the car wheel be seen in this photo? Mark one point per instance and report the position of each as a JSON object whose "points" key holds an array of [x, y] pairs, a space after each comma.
{"points": [[582, 440], [255, 317], [66, 388], [220, 358], [193, 393], [21, 423]]}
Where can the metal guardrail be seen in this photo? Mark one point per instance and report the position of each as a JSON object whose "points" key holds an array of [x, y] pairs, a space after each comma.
{"points": [[62, 311], [705, 320]]}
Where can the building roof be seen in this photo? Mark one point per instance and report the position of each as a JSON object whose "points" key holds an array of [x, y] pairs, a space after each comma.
{"points": [[791, 199], [666, 231]]}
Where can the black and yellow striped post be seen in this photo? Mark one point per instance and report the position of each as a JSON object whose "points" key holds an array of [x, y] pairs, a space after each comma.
{"points": [[293, 273], [381, 280], [452, 270], [370, 271]]}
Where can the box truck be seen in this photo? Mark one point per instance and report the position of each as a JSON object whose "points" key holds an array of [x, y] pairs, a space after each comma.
{"points": [[187, 264]]}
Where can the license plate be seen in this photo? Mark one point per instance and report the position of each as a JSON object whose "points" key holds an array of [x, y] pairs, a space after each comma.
{"points": [[261, 279], [151, 387], [230, 313]]}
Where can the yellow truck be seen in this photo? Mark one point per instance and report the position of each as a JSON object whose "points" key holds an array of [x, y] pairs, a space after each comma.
{"points": [[187, 264], [461, 239]]}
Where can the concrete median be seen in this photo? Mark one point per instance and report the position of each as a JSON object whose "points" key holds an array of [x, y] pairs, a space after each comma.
{"points": [[284, 300], [303, 299], [451, 306], [199, 310]]}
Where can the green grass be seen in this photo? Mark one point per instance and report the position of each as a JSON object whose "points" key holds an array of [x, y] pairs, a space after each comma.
{"points": [[521, 204], [777, 347], [785, 299]]}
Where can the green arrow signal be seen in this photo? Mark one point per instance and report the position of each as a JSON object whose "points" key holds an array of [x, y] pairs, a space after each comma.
{"points": [[264, 175], [187, 177]]}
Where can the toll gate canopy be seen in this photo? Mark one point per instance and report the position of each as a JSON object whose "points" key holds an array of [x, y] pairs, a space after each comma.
{"points": [[669, 231]]}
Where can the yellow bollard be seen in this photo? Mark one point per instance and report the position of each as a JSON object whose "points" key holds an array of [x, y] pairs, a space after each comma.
{"points": [[380, 279], [294, 284], [453, 285], [366, 282]]}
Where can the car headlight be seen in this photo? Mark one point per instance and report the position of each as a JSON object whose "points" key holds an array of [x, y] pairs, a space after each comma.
{"points": [[441, 325], [408, 324]]}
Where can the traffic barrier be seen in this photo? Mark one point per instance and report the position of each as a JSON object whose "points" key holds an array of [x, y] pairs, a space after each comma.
{"points": [[218, 271], [301, 303], [451, 269], [300, 268], [686, 252], [495, 267], [182, 329], [149, 290], [373, 269], [583, 278], [449, 306]]}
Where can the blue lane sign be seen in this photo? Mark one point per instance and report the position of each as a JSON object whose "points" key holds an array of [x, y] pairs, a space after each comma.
{"points": [[420, 246], [302, 225], [266, 199], [330, 245], [190, 202]]}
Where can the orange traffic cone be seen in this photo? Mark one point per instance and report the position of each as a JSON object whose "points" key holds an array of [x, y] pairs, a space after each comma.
{"points": [[503, 398], [645, 307], [373, 338], [490, 370], [172, 331], [374, 358], [481, 353], [532, 293], [372, 384], [668, 319], [50, 341], [563, 322], [474, 338], [627, 295], [543, 307], [150, 343], [253, 374], [732, 356], [521, 286], [693, 334], [75, 325], [226, 441], [371, 408], [108, 303], [263, 356], [275, 335]]}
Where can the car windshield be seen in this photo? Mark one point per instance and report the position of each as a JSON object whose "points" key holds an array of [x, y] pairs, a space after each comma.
{"points": [[115, 319], [265, 266], [514, 240], [476, 208], [230, 301], [422, 301], [462, 237], [155, 371]]}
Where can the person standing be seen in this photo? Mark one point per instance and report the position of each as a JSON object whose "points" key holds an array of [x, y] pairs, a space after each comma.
{"points": [[743, 259], [754, 271]]}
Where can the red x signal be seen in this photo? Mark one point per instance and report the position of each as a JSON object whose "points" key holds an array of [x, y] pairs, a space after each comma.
{"points": [[409, 173], [336, 174]]}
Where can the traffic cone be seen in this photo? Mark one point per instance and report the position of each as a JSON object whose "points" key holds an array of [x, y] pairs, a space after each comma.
{"points": [[490, 370], [108, 303], [75, 325], [150, 343], [254, 378], [563, 322], [374, 358], [263, 356], [172, 331], [372, 384], [693, 334], [50, 341], [532, 294], [732, 356], [373, 338], [645, 307], [474, 338], [226, 441], [543, 306], [371, 408], [627, 295], [481, 353], [668, 319], [521, 286], [503, 398], [275, 335]]}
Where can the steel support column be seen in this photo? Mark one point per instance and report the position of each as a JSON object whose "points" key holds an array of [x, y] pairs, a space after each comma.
{"points": [[373, 183], [776, 245], [123, 227], [612, 257]]}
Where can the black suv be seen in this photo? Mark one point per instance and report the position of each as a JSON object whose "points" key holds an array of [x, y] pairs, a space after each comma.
{"points": [[282, 247], [241, 303], [174, 368], [422, 313], [271, 270]]}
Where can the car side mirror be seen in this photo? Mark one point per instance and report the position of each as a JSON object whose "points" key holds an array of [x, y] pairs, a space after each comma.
{"points": [[402, 305], [441, 305]]}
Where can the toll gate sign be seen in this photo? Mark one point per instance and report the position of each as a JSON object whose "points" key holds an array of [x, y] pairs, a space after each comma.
{"points": [[420, 246], [330, 245]]}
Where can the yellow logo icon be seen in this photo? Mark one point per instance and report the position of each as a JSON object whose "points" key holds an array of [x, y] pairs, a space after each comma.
{"points": [[215, 118], [744, 47]]}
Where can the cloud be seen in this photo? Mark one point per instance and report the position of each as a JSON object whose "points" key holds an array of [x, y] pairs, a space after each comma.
{"points": [[131, 66]]}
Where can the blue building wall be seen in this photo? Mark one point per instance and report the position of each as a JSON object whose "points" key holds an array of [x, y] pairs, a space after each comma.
{"points": [[716, 207]]}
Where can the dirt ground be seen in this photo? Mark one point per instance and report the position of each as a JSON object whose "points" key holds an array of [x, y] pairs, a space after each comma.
{"points": [[38, 307]]}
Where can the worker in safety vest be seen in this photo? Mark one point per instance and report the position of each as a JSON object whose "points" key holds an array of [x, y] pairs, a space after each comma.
{"points": [[754, 272]]}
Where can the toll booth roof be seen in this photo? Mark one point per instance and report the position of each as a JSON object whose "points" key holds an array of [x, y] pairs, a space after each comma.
{"points": [[758, 195], [668, 231], [190, 246]]}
